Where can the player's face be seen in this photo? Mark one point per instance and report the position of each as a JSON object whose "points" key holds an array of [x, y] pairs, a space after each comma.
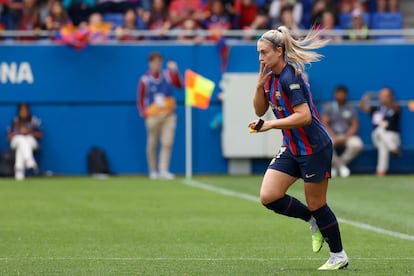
{"points": [[268, 55]]}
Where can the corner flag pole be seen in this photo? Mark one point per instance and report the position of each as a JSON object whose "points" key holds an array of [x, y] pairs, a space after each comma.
{"points": [[188, 143]]}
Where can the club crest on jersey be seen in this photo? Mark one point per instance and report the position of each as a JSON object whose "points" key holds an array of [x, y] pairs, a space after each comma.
{"points": [[280, 108], [294, 86], [277, 94]]}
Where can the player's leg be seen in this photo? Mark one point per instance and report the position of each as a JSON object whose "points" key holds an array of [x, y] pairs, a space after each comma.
{"points": [[328, 224], [315, 169], [167, 139], [153, 131], [282, 172]]}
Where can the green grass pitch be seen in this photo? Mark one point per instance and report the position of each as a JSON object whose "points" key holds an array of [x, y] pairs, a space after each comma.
{"points": [[134, 226]]}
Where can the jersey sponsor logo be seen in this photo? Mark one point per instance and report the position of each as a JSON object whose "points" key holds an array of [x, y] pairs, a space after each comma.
{"points": [[294, 86], [16, 73]]}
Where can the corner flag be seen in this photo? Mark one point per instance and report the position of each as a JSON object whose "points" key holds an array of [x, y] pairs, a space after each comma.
{"points": [[198, 90]]}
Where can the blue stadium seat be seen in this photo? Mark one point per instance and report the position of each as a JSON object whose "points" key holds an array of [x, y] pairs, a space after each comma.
{"points": [[345, 20], [387, 21], [115, 18]]}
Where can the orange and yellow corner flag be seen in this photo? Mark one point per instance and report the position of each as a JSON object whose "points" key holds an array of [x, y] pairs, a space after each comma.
{"points": [[198, 90]]}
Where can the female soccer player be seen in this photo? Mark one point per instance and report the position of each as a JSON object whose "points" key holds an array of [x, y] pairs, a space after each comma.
{"points": [[306, 151]]}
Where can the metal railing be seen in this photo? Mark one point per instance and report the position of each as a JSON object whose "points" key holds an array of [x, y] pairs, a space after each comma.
{"points": [[404, 35]]}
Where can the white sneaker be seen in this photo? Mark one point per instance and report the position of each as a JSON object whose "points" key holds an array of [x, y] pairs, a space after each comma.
{"points": [[166, 175], [153, 175], [334, 172], [344, 171], [336, 261]]}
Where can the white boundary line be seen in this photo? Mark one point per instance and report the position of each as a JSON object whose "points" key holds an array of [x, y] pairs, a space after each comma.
{"points": [[188, 259], [248, 197]]}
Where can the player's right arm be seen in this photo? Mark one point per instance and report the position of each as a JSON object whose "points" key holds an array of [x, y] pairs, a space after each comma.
{"points": [[260, 101]]}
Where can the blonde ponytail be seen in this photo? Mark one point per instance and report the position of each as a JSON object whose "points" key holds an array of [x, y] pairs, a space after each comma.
{"points": [[297, 51]]}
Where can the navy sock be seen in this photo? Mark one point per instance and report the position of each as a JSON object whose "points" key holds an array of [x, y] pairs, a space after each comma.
{"points": [[291, 207], [328, 225]]}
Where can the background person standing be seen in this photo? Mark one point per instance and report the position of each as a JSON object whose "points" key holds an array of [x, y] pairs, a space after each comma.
{"points": [[156, 104]]}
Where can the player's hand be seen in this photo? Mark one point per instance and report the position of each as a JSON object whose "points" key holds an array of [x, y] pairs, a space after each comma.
{"points": [[265, 127], [263, 74], [172, 65]]}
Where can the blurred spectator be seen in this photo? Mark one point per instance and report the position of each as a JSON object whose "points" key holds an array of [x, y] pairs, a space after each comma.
{"points": [[98, 29], [219, 19], [276, 7], [341, 121], [15, 10], [358, 29], [190, 24], [45, 6], [23, 134], [319, 7], [130, 24], [387, 6], [181, 10], [287, 20], [250, 16], [328, 24], [3, 12], [57, 17], [156, 104], [79, 10], [386, 121], [347, 6], [30, 19], [112, 6], [157, 19]]}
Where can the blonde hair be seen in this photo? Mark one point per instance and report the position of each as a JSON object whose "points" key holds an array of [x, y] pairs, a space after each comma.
{"points": [[297, 51]]}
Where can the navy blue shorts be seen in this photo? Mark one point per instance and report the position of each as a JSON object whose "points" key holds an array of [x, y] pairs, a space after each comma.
{"points": [[311, 168]]}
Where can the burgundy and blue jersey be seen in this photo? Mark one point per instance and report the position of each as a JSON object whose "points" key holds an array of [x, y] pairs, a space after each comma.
{"points": [[285, 91]]}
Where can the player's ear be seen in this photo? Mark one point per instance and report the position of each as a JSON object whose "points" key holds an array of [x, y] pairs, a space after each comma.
{"points": [[279, 51]]}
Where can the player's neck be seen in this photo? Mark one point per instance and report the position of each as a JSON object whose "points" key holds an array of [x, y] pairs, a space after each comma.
{"points": [[279, 67]]}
